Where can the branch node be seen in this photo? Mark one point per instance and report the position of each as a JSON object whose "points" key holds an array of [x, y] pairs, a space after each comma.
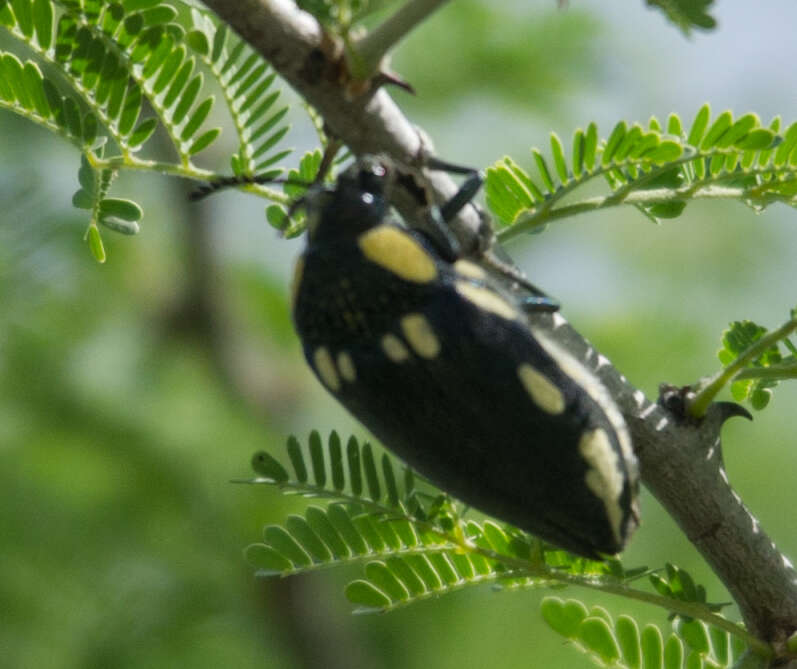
{"points": [[677, 399]]}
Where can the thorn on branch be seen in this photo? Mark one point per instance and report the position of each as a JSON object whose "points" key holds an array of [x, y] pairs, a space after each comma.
{"points": [[730, 410]]}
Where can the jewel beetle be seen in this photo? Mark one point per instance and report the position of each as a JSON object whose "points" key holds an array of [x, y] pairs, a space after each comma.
{"points": [[438, 361]]}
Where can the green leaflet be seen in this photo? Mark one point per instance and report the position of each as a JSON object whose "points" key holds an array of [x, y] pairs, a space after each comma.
{"points": [[269, 467], [120, 215], [368, 596], [95, 244], [629, 641], [564, 617]]}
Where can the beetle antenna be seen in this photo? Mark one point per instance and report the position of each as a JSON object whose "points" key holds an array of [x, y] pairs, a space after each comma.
{"points": [[330, 151], [241, 180]]}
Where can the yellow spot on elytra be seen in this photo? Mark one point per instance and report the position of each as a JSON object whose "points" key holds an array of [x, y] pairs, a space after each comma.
{"points": [[470, 270], [397, 252], [346, 367], [419, 333], [604, 477], [394, 348], [585, 380], [298, 271], [325, 368], [542, 390], [486, 299]]}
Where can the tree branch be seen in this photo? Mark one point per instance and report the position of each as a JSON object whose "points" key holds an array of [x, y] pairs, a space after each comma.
{"points": [[681, 460], [308, 59]]}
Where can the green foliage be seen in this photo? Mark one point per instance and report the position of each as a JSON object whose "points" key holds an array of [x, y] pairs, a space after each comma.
{"points": [[115, 57], [687, 14], [676, 583], [657, 169], [620, 643], [117, 214], [125, 70], [755, 361], [766, 369], [107, 76], [246, 81], [291, 224], [96, 47], [412, 539], [414, 544]]}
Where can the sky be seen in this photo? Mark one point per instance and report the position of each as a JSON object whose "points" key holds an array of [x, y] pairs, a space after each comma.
{"points": [[747, 62]]}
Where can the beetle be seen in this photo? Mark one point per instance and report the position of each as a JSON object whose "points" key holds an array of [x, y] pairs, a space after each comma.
{"points": [[430, 353]]}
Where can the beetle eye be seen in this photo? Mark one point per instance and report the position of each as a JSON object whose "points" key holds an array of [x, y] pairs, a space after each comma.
{"points": [[371, 177]]}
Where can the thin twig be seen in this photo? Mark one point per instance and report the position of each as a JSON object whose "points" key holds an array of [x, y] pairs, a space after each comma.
{"points": [[709, 390], [368, 50]]}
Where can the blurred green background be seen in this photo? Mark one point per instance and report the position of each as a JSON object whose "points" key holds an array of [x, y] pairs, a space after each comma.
{"points": [[132, 393]]}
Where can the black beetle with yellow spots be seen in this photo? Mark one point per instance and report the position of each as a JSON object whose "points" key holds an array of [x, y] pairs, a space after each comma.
{"points": [[439, 363]]}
